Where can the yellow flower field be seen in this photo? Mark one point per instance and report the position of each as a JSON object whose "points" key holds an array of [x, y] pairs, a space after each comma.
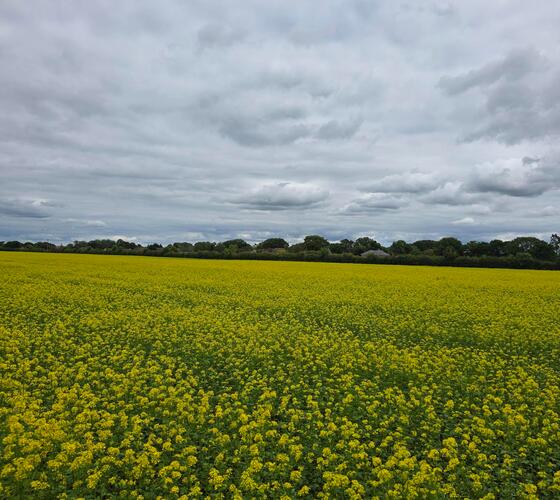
{"points": [[138, 377]]}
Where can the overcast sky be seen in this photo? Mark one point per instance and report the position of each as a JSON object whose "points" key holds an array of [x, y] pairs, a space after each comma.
{"points": [[190, 120]]}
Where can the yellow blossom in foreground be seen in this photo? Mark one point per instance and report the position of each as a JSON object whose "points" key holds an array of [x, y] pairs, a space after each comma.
{"points": [[135, 377]]}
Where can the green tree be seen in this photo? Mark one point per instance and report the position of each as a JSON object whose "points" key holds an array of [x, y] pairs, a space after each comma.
{"points": [[449, 252], [555, 243], [236, 245], [425, 245], [400, 247], [343, 246], [364, 244], [538, 249], [315, 242], [12, 245], [444, 243], [273, 243], [497, 248], [204, 246], [183, 246], [476, 248]]}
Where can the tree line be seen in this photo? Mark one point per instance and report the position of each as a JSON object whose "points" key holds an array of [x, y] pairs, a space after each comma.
{"points": [[523, 252]]}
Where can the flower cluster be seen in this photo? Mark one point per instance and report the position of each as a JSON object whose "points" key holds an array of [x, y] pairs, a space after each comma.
{"points": [[148, 378]]}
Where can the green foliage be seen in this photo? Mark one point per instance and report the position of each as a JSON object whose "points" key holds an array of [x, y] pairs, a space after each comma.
{"points": [[315, 242], [400, 247], [523, 252], [272, 243], [555, 243], [364, 244]]}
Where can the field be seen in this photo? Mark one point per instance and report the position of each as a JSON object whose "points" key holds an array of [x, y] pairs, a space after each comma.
{"points": [[138, 377]]}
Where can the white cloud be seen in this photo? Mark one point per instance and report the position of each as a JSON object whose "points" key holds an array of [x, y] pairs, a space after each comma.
{"points": [[517, 177], [465, 221], [450, 193], [25, 208], [374, 203], [282, 196], [407, 182], [89, 223]]}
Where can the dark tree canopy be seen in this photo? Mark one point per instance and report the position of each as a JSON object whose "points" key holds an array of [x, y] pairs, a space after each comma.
{"points": [[555, 243], [343, 246], [273, 243], [538, 249], [315, 242], [182, 246], [424, 245], [204, 246], [400, 247], [154, 246], [449, 247], [237, 244], [476, 248], [364, 244], [12, 245]]}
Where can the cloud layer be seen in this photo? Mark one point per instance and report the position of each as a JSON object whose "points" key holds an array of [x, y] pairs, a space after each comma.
{"points": [[209, 120]]}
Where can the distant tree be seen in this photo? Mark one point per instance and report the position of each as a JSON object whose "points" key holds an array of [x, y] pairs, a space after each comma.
{"points": [[204, 246], [424, 245], [128, 245], [538, 249], [103, 244], [400, 247], [364, 244], [343, 246], [315, 242], [497, 248], [154, 246], [555, 243], [45, 245], [183, 246], [297, 247], [236, 245], [449, 252], [13, 245], [444, 243], [273, 243], [347, 245], [79, 244], [475, 248]]}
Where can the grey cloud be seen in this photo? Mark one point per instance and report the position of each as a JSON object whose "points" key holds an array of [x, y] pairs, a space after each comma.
{"points": [[375, 203], [159, 120], [517, 99], [34, 209], [519, 178], [218, 35], [515, 65], [547, 211], [246, 132], [465, 221], [335, 129], [451, 193], [88, 223], [407, 182], [282, 196]]}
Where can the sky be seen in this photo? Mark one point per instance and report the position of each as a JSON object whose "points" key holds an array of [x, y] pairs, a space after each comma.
{"points": [[208, 120]]}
